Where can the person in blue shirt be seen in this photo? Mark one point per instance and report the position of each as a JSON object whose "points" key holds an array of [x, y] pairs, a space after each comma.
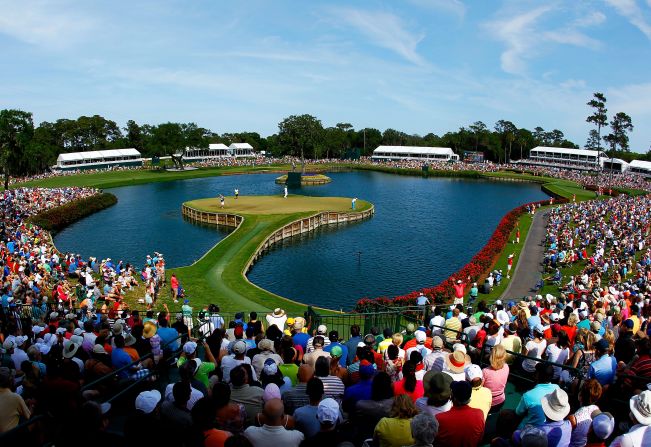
{"points": [[604, 368], [361, 390], [530, 407], [11, 246], [334, 341], [120, 358], [167, 334], [298, 336], [351, 344]]}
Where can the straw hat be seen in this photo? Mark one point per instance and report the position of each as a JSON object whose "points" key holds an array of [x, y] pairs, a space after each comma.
{"points": [[556, 405], [278, 312], [457, 361], [149, 330]]}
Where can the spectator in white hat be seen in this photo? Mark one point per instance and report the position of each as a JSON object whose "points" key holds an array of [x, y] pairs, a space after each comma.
{"points": [[238, 357], [639, 435], [481, 397]]}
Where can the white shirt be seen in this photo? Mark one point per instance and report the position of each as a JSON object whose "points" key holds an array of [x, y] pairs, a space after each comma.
{"points": [[18, 357], [229, 362], [638, 436], [278, 321], [437, 321], [279, 436], [195, 395], [533, 350]]}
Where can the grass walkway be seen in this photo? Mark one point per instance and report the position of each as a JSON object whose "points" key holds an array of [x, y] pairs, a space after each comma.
{"points": [[219, 277]]}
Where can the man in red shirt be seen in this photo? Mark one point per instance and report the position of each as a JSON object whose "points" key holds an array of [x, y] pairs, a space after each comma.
{"points": [[461, 426], [459, 288]]}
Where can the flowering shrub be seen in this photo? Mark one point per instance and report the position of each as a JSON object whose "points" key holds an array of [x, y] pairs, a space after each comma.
{"points": [[58, 218], [479, 265]]}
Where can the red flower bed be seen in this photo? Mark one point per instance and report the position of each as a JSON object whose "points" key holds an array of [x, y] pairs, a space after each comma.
{"points": [[479, 265]]}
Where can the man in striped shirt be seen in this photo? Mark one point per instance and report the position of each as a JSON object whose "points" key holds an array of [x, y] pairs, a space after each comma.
{"points": [[332, 385], [452, 325]]}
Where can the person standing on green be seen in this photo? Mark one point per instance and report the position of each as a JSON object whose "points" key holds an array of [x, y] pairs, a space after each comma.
{"points": [[186, 310], [474, 292]]}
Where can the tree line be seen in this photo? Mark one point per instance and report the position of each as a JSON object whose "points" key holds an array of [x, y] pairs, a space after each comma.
{"points": [[29, 149]]}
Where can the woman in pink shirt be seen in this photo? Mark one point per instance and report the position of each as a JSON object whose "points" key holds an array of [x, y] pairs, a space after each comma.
{"points": [[496, 376]]}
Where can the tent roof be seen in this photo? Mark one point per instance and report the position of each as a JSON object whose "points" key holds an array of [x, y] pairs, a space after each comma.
{"points": [[98, 155], [415, 150], [215, 146], [241, 146], [563, 150], [640, 164]]}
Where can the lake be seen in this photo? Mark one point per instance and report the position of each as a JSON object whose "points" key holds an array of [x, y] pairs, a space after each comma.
{"points": [[423, 230]]}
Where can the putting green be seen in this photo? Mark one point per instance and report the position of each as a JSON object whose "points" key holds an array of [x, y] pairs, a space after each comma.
{"points": [[221, 273], [277, 204]]}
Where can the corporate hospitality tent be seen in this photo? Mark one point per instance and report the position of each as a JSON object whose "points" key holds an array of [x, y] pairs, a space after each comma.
{"points": [[414, 153], [99, 159]]}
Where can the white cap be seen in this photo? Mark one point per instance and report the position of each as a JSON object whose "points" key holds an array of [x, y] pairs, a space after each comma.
{"points": [[147, 401], [459, 347], [554, 317], [328, 411], [498, 302], [322, 329], [420, 336], [473, 372]]}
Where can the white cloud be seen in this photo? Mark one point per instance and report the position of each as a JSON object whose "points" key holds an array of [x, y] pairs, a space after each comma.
{"points": [[522, 38], [385, 30], [631, 11], [455, 7], [42, 23], [518, 35]]}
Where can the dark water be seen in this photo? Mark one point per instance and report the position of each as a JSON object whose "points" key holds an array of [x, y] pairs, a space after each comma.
{"points": [[423, 230]]}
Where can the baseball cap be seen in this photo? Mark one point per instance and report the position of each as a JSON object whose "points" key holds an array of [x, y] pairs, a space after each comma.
{"points": [[629, 323], [336, 351], [328, 411], [437, 342], [322, 329], [603, 425], [147, 401], [189, 347], [602, 344], [473, 372], [420, 336], [270, 367], [369, 340], [239, 347]]}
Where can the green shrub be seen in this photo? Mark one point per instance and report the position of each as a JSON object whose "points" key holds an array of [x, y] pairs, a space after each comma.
{"points": [[60, 217]]}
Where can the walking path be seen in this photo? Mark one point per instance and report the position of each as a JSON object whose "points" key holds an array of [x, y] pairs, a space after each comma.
{"points": [[529, 267]]}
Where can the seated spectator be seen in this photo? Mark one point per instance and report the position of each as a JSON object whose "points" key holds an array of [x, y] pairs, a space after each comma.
{"points": [[332, 385], [186, 374], [534, 348], [238, 357], [367, 413], [393, 363], [639, 435], [272, 431], [558, 352], [496, 376], [435, 360], [603, 425], [530, 408], [558, 430], [481, 397], [604, 368], [511, 341], [229, 416], [297, 396], [12, 406], [203, 368], [462, 425], [361, 390], [328, 416], [424, 428], [409, 384], [288, 368], [266, 347], [271, 374], [437, 392], [581, 420], [456, 362], [305, 417], [395, 431], [175, 415], [317, 351], [203, 418], [242, 393], [335, 364]]}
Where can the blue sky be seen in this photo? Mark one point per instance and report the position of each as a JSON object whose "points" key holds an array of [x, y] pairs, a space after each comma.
{"points": [[415, 65]]}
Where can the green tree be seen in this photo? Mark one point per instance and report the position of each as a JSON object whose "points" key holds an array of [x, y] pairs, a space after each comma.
{"points": [[16, 132], [134, 136], [620, 125], [593, 140], [479, 129], [598, 117], [301, 133], [507, 131], [525, 139], [368, 139]]}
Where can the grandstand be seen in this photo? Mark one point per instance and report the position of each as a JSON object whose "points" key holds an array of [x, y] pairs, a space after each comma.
{"points": [[98, 159], [215, 150], [578, 159], [640, 167], [396, 153]]}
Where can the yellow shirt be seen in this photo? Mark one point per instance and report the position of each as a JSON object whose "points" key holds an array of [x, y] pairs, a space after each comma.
{"points": [[636, 324], [384, 344], [12, 407], [482, 399], [455, 324], [393, 432]]}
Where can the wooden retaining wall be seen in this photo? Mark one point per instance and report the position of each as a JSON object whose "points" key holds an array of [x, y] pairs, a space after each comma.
{"points": [[294, 228]]}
